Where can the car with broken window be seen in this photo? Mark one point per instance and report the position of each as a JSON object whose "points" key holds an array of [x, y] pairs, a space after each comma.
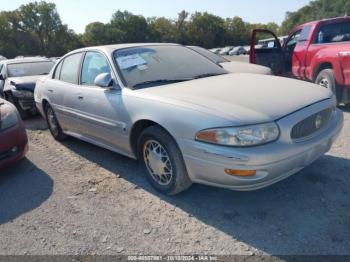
{"points": [[18, 78], [185, 118]]}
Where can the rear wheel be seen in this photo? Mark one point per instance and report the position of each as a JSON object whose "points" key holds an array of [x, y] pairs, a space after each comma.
{"points": [[162, 161], [326, 79], [53, 124]]}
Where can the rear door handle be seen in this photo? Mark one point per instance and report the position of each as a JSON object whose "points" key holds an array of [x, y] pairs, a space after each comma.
{"points": [[50, 90], [80, 97]]}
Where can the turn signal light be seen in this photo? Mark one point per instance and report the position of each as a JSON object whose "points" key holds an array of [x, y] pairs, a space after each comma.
{"points": [[234, 172]]}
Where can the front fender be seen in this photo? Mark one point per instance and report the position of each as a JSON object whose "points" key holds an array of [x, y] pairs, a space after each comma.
{"points": [[323, 60]]}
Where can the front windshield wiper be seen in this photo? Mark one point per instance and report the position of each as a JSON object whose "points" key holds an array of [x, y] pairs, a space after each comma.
{"points": [[207, 75], [160, 81]]}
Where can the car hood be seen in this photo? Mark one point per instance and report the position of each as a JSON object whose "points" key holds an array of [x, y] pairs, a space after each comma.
{"points": [[241, 67], [242, 98], [24, 82]]}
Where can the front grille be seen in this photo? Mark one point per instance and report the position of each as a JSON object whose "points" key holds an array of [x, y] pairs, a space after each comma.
{"points": [[27, 102], [312, 124]]}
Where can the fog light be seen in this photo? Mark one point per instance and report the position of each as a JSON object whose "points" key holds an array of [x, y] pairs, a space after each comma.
{"points": [[234, 172]]}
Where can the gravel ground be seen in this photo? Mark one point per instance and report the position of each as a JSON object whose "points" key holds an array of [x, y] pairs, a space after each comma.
{"points": [[76, 198]]}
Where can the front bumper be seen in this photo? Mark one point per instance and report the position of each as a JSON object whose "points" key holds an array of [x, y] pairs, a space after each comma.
{"points": [[25, 102], [13, 146], [274, 162]]}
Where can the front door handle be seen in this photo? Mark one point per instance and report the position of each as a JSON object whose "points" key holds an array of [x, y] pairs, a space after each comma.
{"points": [[80, 97], [50, 90]]}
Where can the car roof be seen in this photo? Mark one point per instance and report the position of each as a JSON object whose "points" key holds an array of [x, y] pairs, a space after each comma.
{"points": [[25, 60], [326, 20], [112, 48]]}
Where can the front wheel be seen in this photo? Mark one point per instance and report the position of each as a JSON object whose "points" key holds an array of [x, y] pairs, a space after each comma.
{"points": [[53, 124], [162, 161]]}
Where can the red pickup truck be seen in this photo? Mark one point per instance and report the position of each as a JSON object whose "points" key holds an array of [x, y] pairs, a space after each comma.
{"points": [[318, 51]]}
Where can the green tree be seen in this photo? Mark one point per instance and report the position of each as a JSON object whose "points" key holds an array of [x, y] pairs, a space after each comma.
{"points": [[182, 34], [206, 30], [129, 28], [316, 10], [96, 33], [162, 30], [35, 29], [237, 31]]}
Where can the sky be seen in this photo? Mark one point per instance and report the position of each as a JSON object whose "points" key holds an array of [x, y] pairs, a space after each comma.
{"points": [[78, 13]]}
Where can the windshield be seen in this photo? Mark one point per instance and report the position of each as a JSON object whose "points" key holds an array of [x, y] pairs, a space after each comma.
{"points": [[208, 54], [29, 69], [162, 64]]}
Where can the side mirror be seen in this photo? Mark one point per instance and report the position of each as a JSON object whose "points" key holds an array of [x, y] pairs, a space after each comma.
{"points": [[104, 80], [2, 77]]}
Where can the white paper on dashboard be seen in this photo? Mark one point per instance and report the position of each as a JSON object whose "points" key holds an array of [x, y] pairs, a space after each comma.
{"points": [[126, 62]]}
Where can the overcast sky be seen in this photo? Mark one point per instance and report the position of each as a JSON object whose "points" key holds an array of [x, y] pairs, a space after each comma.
{"points": [[78, 13]]}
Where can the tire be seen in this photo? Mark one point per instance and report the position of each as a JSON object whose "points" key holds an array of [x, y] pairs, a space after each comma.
{"points": [[326, 78], [53, 124], [23, 113], [158, 150]]}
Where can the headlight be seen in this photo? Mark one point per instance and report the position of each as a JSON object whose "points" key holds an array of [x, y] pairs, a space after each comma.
{"points": [[240, 136], [8, 116], [22, 94]]}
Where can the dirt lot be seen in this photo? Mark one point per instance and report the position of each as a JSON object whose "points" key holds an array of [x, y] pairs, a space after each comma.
{"points": [[75, 198]]}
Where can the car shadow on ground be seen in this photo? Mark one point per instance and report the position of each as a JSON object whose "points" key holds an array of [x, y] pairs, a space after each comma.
{"points": [[307, 213], [35, 123], [22, 191]]}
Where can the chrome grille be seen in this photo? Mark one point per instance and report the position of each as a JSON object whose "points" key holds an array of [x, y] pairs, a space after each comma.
{"points": [[312, 124]]}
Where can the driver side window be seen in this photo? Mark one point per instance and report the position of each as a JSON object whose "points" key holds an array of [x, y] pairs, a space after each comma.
{"points": [[94, 64], [294, 39]]}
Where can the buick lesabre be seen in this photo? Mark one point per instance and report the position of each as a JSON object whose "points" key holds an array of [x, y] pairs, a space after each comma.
{"points": [[186, 118]]}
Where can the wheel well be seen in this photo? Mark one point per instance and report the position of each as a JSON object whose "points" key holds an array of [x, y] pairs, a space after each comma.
{"points": [[44, 103], [137, 129], [321, 67]]}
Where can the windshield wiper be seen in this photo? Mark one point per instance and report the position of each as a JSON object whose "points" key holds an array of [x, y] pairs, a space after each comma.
{"points": [[160, 81], [207, 75]]}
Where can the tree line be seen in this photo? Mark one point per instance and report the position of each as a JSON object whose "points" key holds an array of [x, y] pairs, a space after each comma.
{"points": [[36, 28]]}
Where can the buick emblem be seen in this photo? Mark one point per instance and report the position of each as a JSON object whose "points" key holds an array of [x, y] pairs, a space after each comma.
{"points": [[318, 121]]}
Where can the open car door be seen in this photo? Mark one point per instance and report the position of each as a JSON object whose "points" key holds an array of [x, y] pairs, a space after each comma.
{"points": [[266, 50]]}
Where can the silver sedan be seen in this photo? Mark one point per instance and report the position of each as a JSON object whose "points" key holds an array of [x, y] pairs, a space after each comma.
{"points": [[187, 119]]}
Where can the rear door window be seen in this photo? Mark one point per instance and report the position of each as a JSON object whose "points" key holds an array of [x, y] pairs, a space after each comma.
{"points": [[333, 33], [70, 68]]}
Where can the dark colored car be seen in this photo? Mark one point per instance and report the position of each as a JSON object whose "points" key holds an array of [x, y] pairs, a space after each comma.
{"points": [[13, 137], [18, 78]]}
